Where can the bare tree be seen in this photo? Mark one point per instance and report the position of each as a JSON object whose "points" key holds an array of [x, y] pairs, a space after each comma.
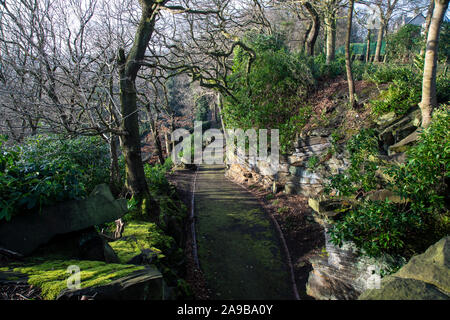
{"points": [[427, 23], [429, 100], [314, 30], [386, 9], [348, 62]]}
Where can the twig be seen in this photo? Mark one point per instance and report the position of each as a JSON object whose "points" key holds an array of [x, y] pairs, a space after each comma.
{"points": [[22, 296]]}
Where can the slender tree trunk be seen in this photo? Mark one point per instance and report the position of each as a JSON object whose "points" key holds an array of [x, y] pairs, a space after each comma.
{"points": [[172, 129], [348, 63], [305, 38], [427, 24], [331, 38], [379, 42], [314, 32], [156, 137], [219, 106], [369, 34], [167, 143], [429, 100], [114, 178]]}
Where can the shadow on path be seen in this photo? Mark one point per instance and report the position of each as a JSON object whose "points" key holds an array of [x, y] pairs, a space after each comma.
{"points": [[238, 247]]}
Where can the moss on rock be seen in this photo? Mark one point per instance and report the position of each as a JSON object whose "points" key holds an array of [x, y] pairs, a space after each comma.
{"points": [[139, 236], [51, 276]]}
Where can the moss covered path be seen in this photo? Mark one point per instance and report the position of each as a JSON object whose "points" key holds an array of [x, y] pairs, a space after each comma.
{"points": [[238, 247]]}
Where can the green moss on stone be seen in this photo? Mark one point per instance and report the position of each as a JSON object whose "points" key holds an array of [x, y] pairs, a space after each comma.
{"points": [[140, 236], [52, 276]]}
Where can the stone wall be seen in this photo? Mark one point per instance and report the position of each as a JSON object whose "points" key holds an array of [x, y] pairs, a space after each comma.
{"points": [[339, 273], [293, 175]]}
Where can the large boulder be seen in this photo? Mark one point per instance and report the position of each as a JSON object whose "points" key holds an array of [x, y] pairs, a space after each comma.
{"points": [[404, 144], [393, 288], [424, 277], [400, 129], [383, 194], [91, 246], [146, 284], [329, 207], [386, 119], [341, 273], [432, 266], [25, 233]]}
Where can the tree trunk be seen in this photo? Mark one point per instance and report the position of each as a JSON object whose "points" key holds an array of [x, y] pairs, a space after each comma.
{"points": [[348, 63], [172, 129], [331, 37], [167, 142], [114, 178], [219, 106], [305, 38], [379, 42], [429, 100], [156, 137], [369, 34], [427, 24], [314, 32], [130, 142]]}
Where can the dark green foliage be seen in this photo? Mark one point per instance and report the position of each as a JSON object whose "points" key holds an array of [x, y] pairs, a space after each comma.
{"points": [[404, 44], [381, 227], [323, 71], [201, 109], [312, 163], [360, 176], [45, 170], [405, 87], [156, 176], [273, 94], [376, 227], [399, 97], [422, 179], [403, 92], [263, 42], [387, 73], [443, 88], [444, 42]]}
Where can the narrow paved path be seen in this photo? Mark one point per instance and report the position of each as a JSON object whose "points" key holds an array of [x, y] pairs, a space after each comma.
{"points": [[238, 247]]}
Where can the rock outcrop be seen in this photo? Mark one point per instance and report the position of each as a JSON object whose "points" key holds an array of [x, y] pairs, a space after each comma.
{"points": [[294, 173], [25, 233], [147, 284], [424, 277], [339, 273]]}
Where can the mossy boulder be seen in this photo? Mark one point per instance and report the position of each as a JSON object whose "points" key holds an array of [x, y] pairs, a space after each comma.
{"points": [[404, 144], [386, 119], [394, 288], [383, 194], [51, 275], [329, 207], [25, 233], [424, 277], [400, 129], [432, 266], [140, 238], [145, 284]]}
